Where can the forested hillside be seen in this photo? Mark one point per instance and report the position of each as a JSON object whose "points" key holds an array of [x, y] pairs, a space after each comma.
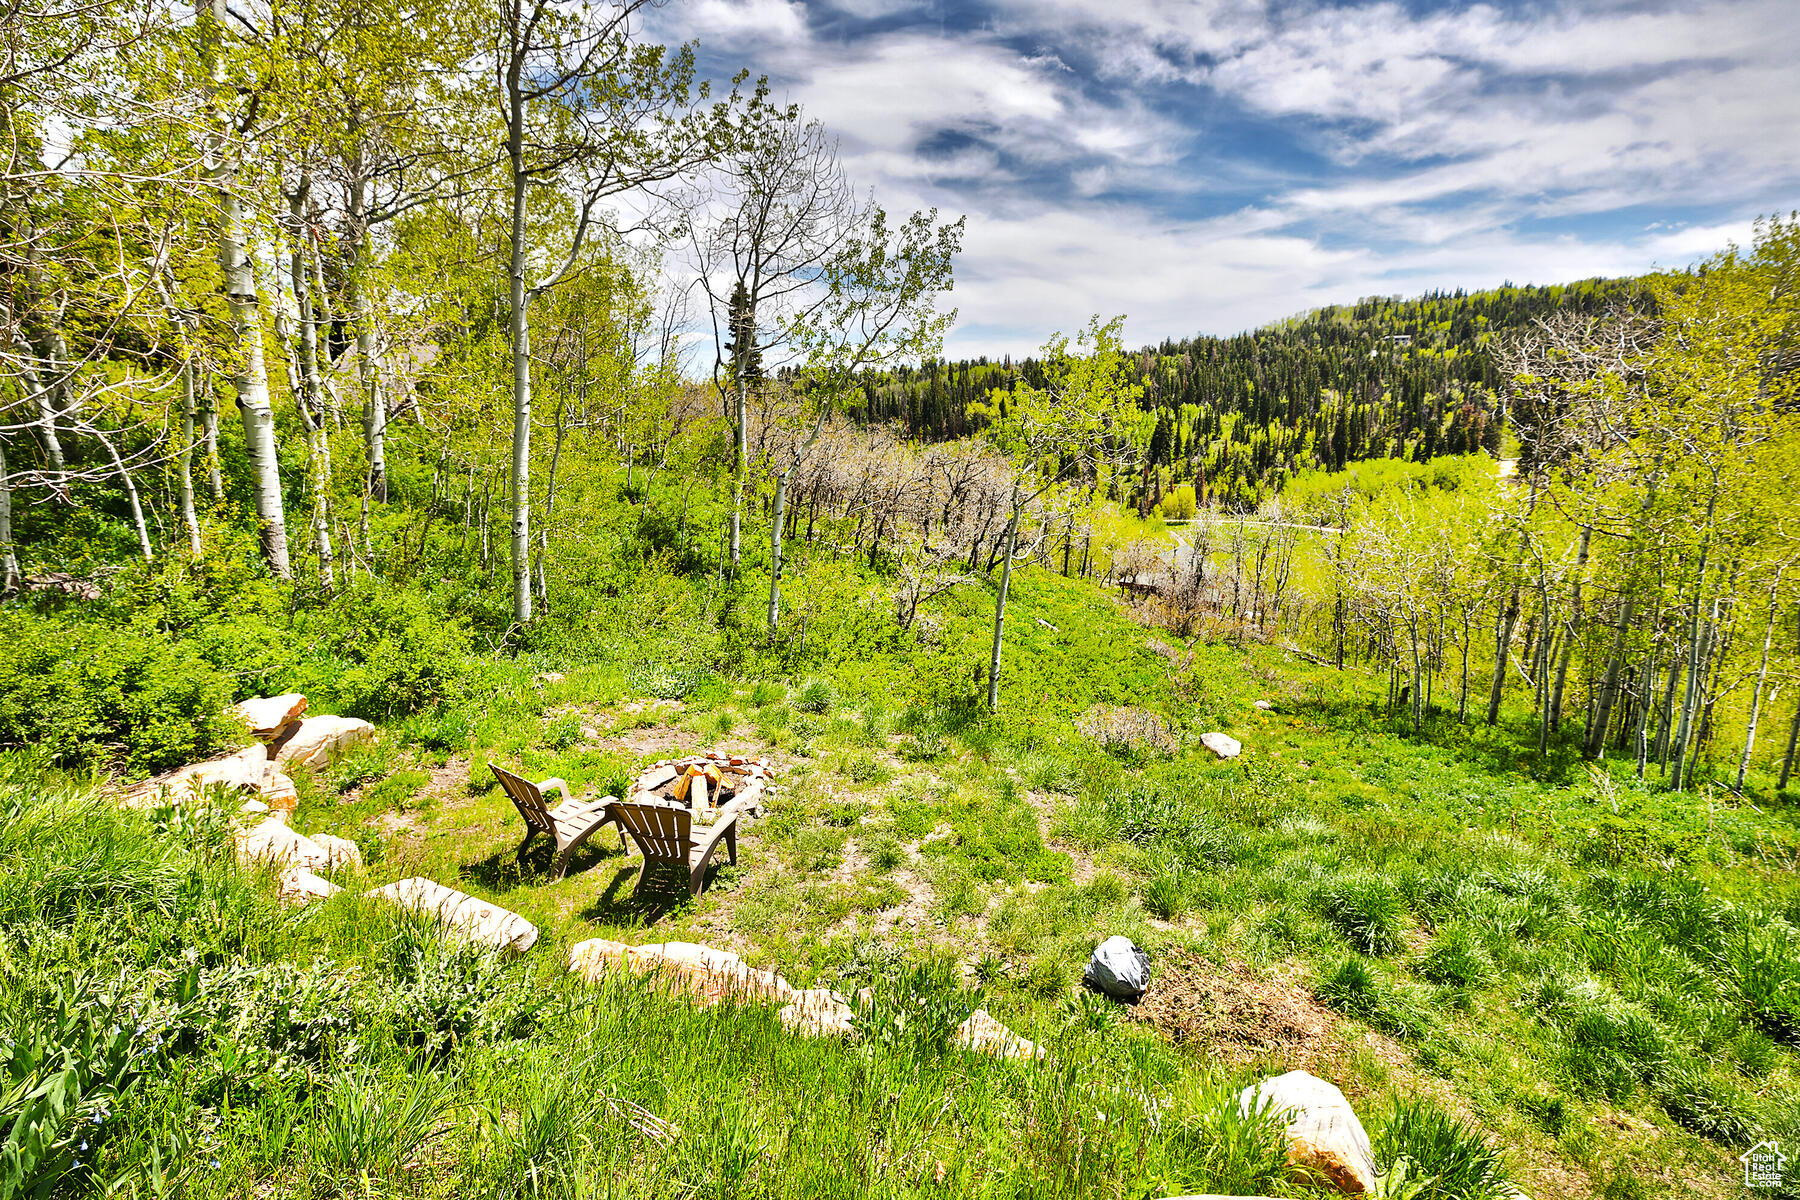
{"points": [[1234, 416]]}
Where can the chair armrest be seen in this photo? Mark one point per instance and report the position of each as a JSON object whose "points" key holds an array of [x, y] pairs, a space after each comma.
{"points": [[708, 834], [562, 785]]}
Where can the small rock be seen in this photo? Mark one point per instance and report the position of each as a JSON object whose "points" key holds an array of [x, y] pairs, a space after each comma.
{"points": [[1324, 1137], [253, 807], [985, 1035], [1119, 968], [549, 677], [1264, 705], [461, 914], [272, 841], [818, 1012], [320, 741], [301, 886], [1221, 745]]}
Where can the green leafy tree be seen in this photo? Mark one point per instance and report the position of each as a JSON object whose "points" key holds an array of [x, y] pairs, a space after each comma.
{"points": [[1078, 424]]}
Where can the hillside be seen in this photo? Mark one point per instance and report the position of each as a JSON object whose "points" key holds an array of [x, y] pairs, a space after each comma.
{"points": [[1568, 983], [1235, 416]]}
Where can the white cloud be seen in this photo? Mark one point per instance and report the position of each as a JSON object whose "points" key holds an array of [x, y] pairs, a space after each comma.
{"points": [[743, 21], [1453, 138]]}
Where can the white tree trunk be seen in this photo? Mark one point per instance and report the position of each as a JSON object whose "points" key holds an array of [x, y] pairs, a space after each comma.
{"points": [[368, 375], [1762, 680], [311, 394], [9, 557], [185, 461], [775, 531], [138, 524], [740, 468], [249, 374], [1006, 563], [521, 354]]}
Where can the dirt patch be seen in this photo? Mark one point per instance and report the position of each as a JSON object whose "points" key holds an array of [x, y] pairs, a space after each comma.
{"points": [[1233, 1008]]}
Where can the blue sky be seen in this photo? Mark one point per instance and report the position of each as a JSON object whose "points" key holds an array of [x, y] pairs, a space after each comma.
{"points": [[1205, 167]]}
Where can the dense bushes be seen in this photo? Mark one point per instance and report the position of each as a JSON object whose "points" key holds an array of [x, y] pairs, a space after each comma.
{"points": [[123, 697], [380, 652], [137, 682]]}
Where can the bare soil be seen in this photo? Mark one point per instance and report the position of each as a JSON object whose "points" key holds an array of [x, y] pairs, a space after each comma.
{"points": [[1233, 1009]]}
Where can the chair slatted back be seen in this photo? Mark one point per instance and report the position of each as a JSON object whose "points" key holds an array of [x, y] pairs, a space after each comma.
{"points": [[527, 799], [664, 833]]}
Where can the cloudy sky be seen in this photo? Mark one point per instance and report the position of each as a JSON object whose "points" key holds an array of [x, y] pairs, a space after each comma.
{"points": [[1208, 166]]}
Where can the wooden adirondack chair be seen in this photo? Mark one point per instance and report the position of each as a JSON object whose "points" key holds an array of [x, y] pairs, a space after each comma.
{"points": [[569, 824], [665, 836]]}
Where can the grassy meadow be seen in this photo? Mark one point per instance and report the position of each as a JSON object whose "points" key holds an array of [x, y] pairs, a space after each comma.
{"points": [[1524, 974]]}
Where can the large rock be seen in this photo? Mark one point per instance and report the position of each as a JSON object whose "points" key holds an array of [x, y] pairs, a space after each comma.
{"points": [[339, 852], [319, 741], [1324, 1137], [269, 716], [818, 1012], [462, 915], [984, 1034], [701, 973], [272, 841], [278, 791], [1221, 745], [241, 771], [1119, 968]]}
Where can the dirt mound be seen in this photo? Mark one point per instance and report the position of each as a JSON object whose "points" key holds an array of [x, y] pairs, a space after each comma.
{"points": [[1231, 1007]]}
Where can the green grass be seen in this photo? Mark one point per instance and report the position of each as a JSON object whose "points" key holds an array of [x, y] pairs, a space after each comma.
{"points": [[1534, 951]]}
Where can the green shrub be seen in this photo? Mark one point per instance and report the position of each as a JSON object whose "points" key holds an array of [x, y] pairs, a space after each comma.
{"points": [[1456, 959], [89, 696], [816, 698], [1367, 911], [447, 993], [1355, 989], [885, 852], [1166, 893], [1220, 1143], [1448, 1158], [1765, 967], [384, 652], [1700, 1104], [913, 1012]]}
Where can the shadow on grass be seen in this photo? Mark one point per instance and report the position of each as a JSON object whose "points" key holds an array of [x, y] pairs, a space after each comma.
{"points": [[501, 871], [658, 896]]}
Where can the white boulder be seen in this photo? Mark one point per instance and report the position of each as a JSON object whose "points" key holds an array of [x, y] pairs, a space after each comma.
{"points": [[240, 771], [301, 886], [339, 852], [272, 841], [269, 716], [1325, 1139], [984, 1034], [461, 914], [818, 1012], [701, 973], [319, 741], [1221, 745]]}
